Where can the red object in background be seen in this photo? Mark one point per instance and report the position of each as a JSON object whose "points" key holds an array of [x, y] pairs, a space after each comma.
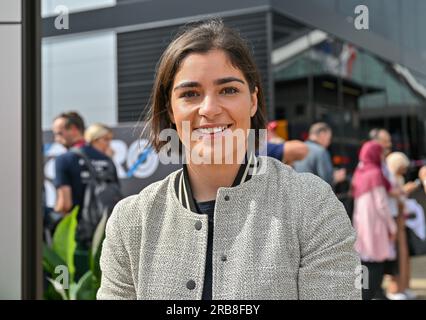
{"points": [[341, 160], [304, 136], [272, 125], [351, 60]]}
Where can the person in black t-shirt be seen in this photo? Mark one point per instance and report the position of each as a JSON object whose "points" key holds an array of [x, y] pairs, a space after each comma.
{"points": [[71, 173]]}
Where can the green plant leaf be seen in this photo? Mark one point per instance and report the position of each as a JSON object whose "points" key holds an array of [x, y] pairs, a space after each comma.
{"points": [[51, 259], [50, 293], [64, 243], [73, 291], [99, 234], [96, 265], [96, 249], [86, 289], [58, 288]]}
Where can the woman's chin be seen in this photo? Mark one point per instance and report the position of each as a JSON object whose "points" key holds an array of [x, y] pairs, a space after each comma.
{"points": [[208, 154]]}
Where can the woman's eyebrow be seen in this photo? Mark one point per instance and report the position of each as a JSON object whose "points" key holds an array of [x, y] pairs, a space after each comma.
{"points": [[228, 79], [188, 84], [194, 84]]}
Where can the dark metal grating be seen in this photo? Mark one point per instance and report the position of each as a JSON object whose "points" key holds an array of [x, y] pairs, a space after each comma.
{"points": [[138, 53]]}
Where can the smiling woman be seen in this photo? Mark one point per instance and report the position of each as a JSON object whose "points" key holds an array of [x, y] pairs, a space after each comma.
{"points": [[215, 103], [219, 75], [251, 228]]}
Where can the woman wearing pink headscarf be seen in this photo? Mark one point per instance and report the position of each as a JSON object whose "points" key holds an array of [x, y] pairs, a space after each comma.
{"points": [[373, 222]]}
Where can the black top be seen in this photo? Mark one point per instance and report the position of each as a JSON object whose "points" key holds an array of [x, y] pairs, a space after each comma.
{"points": [[207, 207], [71, 170]]}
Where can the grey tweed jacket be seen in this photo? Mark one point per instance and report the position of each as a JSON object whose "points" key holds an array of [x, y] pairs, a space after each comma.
{"points": [[285, 235]]}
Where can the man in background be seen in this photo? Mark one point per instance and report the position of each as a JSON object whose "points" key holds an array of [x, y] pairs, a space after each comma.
{"points": [[318, 160], [73, 172], [68, 130], [383, 137]]}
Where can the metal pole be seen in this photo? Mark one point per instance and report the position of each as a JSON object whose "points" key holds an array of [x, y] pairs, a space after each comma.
{"points": [[32, 223]]}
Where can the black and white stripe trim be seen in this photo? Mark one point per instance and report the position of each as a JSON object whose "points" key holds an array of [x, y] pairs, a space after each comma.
{"points": [[183, 187]]}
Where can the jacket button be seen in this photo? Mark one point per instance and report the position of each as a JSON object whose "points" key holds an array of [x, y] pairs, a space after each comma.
{"points": [[198, 225], [224, 258], [190, 284], [226, 198]]}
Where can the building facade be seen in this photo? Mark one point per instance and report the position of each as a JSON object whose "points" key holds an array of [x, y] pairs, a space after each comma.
{"points": [[315, 63]]}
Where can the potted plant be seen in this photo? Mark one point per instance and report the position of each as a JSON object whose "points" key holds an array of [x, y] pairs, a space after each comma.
{"points": [[59, 267]]}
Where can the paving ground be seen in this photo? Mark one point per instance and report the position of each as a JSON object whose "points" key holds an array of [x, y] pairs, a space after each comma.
{"points": [[418, 276]]}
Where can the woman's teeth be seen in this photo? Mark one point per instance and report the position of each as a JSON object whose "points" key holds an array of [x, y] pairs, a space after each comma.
{"points": [[211, 130]]}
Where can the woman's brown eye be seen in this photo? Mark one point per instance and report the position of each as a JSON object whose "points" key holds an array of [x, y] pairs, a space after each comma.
{"points": [[189, 94], [230, 90]]}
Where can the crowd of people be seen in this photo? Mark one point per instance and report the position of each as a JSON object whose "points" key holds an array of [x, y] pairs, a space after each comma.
{"points": [[381, 211], [82, 173], [381, 215]]}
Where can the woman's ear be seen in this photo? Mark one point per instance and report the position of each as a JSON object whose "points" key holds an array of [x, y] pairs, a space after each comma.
{"points": [[253, 108]]}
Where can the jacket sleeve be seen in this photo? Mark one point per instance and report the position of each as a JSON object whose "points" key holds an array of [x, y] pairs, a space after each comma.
{"points": [[329, 265], [117, 282]]}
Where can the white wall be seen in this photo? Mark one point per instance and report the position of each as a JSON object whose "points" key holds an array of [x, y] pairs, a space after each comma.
{"points": [[10, 11], [79, 73], [10, 144]]}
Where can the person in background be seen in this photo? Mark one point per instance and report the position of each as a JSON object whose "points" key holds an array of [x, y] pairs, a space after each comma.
{"points": [[318, 160], [72, 175], [372, 219], [383, 137], [286, 151], [398, 288], [70, 182], [68, 130], [398, 164], [99, 136]]}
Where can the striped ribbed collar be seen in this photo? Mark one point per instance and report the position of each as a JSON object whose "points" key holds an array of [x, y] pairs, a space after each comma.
{"points": [[183, 187]]}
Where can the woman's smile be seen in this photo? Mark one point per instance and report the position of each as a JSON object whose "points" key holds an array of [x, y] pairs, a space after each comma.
{"points": [[212, 131]]}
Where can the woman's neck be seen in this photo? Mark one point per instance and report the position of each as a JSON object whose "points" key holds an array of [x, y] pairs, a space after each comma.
{"points": [[206, 179]]}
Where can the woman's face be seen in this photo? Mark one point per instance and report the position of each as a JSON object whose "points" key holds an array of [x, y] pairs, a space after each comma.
{"points": [[103, 143], [210, 100]]}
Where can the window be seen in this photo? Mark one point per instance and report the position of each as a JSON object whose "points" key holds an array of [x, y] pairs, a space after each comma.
{"points": [[79, 73]]}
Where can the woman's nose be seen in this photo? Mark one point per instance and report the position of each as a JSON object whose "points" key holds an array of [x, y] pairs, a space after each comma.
{"points": [[210, 107]]}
